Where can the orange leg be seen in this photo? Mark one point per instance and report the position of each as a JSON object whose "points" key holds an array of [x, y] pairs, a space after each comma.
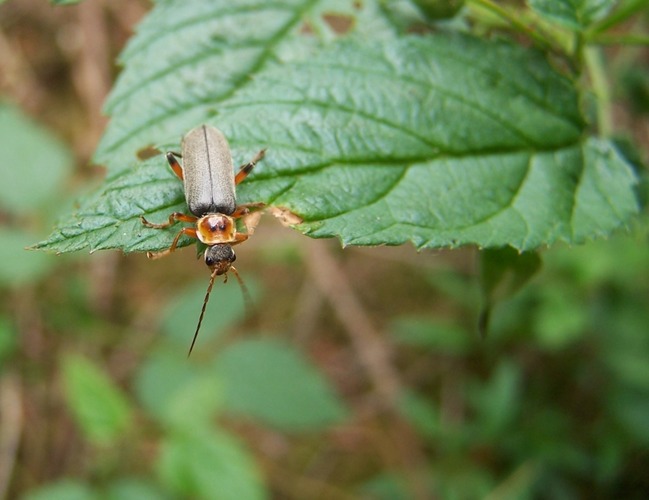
{"points": [[173, 163], [247, 168], [239, 238], [245, 209], [173, 218], [189, 231]]}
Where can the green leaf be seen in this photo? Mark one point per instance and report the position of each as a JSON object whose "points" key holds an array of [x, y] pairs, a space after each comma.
{"points": [[385, 487], [497, 402], [66, 489], [36, 163], [17, 266], [575, 14], [436, 140], [632, 411], [560, 318], [271, 381], [507, 269], [202, 463], [133, 489], [225, 308], [186, 58], [8, 336], [441, 337], [422, 415], [99, 407], [503, 271], [167, 384]]}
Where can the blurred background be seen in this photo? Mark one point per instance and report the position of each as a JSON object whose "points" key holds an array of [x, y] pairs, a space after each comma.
{"points": [[357, 373]]}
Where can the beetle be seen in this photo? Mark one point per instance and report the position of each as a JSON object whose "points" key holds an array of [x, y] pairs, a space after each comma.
{"points": [[209, 183]]}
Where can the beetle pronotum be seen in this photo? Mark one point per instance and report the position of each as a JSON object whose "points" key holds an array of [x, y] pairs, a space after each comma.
{"points": [[209, 181]]}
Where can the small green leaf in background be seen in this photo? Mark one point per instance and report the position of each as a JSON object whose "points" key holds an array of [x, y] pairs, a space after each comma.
{"points": [[575, 14], [133, 489], [503, 272], [65, 2], [225, 308], [632, 412], [167, 384], [385, 487], [438, 336], [99, 407], [273, 382], [35, 163], [8, 335], [203, 463], [629, 366], [497, 401], [17, 266], [66, 489], [422, 415], [560, 317]]}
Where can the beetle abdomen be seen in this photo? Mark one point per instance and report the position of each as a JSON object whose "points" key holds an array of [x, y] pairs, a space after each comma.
{"points": [[208, 172]]}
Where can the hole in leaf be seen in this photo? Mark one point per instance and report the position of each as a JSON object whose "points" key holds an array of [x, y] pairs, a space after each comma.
{"points": [[339, 23], [147, 152]]}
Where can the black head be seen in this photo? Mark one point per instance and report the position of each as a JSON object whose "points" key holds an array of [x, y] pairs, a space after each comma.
{"points": [[219, 258]]}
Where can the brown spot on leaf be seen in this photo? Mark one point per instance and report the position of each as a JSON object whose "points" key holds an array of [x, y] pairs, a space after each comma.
{"points": [[306, 28]]}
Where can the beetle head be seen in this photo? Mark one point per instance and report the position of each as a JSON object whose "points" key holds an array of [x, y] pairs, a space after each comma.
{"points": [[219, 258]]}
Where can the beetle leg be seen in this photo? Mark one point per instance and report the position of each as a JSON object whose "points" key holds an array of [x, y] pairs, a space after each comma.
{"points": [[239, 238], [244, 209], [173, 163], [247, 168], [189, 231], [173, 218]]}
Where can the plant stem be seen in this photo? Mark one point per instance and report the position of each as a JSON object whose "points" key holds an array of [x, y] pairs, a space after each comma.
{"points": [[514, 21], [621, 39], [601, 88]]}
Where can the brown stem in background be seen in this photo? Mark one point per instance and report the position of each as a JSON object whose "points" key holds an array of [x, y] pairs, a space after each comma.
{"points": [[91, 69], [374, 355], [11, 424], [17, 77], [90, 62], [367, 341]]}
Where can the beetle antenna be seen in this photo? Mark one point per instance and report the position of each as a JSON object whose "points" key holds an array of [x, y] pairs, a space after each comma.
{"points": [[200, 319], [247, 298]]}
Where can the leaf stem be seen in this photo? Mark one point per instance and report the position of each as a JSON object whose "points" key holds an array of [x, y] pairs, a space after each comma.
{"points": [[601, 88], [514, 21], [621, 39]]}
